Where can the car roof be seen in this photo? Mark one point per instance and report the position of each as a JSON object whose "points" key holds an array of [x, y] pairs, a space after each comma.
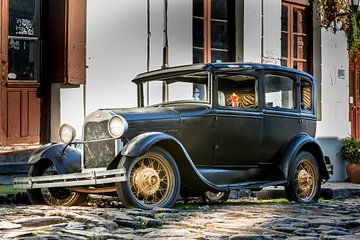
{"points": [[193, 68]]}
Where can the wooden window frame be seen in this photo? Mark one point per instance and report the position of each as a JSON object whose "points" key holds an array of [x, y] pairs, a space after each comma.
{"points": [[207, 18], [301, 5], [37, 40]]}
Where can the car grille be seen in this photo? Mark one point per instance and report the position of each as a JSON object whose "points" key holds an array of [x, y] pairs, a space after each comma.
{"points": [[98, 154]]}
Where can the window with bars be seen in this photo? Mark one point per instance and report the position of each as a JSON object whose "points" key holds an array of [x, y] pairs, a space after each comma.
{"points": [[296, 29], [213, 30], [24, 40]]}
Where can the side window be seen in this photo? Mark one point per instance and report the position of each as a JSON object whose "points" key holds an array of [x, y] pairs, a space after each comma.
{"points": [[237, 91], [279, 91], [306, 96]]}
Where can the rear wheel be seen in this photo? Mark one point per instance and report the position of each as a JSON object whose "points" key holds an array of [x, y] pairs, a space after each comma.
{"points": [[304, 179], [52, 196], [153, 180], [215, 197]]}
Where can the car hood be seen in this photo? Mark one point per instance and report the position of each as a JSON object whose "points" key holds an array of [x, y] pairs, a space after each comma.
{"points": [[165, 119]]}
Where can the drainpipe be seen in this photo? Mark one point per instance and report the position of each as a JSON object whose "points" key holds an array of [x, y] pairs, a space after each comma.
{"points": [[166, 40], [165, 96], [148, 52], [262, 31]]}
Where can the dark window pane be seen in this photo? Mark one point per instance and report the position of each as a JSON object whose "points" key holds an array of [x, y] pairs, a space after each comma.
{"points": [[198, 55], [219, 9], [198, 32], [284, 62], [23, 60], [284, 18], [296, 46], [219, 35], [299, 23], [198, 8], [222, 56], [24, 18], [284, 44]]}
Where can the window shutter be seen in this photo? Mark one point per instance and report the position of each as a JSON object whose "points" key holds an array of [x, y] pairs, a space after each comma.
{"points": [[67, 41]]}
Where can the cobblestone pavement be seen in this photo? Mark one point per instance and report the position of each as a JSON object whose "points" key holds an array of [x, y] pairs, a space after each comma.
{"points": [[238, 219]]}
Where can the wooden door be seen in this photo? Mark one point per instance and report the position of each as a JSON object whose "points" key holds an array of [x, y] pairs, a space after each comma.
{"points": [[20, 69], [354, 78]]}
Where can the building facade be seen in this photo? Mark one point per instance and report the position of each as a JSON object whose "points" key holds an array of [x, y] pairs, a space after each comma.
{"points": [[122, 37]]}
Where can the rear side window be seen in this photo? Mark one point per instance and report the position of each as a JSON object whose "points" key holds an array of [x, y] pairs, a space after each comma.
{"points": [[279, 91], [306, 96]]}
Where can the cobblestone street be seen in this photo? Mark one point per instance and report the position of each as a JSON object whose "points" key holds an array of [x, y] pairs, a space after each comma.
{"points": [[238, 219]]}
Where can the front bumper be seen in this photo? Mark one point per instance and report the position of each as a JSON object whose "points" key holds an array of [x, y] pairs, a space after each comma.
{"points": [[91, 178]]}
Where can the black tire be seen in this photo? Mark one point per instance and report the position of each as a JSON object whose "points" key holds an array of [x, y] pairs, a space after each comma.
{"points": [[159, 168], [52, 196], [215, 197], [304, 179]]}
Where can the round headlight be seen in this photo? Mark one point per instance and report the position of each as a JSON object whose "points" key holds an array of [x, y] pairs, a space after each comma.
{"points": [[117, 126], [67, 133]]}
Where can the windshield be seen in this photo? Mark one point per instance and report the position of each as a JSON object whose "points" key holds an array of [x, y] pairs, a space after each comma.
{"points": [[185, 88]]}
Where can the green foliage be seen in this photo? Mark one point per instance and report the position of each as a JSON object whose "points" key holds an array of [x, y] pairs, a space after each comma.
{"points": [[8, 189], [351, 149], [337, 15], [334, 12], [353, 34]]}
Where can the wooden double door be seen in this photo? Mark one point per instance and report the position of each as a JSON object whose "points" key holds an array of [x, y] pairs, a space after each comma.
{"points": [[21, 101], [354, 83]]}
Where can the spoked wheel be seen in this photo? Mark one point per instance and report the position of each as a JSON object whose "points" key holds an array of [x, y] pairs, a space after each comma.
{"points": [[215, 197], [153, 180], [304, 184], [52, 196]]}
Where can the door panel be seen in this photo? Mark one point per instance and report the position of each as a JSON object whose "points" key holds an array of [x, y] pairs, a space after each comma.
{"points": [[238, 139], [238, 135], [281, 113], [23, 118], [14, 114]]}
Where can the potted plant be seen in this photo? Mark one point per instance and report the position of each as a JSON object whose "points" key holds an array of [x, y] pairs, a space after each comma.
{"points": [[351, 153]]}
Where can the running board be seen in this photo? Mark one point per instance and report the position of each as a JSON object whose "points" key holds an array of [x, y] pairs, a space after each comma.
{"points": [[253, 185], [71, 180]]}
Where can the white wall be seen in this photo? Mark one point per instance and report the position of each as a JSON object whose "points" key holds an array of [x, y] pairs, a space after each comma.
{"points": [[116, 52], [334, 124], [272, 31], [252, 31], [252, 34]]}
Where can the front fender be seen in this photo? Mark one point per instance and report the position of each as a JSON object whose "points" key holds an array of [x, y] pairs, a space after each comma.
{"points": [[302, 142], [191, 178], [68, 161]]}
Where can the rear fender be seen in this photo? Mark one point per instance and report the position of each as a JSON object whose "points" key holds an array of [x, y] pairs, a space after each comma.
{"points": [[302, 142], [65, 161], [191, 178]]}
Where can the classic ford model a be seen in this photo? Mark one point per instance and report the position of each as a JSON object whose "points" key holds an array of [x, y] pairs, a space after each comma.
{"points": [[207, 128]]}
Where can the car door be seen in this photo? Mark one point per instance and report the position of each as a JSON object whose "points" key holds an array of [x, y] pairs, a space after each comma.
{"points": [[281, 113], [238, 122]]}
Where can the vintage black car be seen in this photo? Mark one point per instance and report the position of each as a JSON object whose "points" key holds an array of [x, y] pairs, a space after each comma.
{"points": [[205, 129]]}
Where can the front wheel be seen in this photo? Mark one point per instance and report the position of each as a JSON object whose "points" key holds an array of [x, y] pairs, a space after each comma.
{"points": [[304, 179], [52, 196], [153, 180]]}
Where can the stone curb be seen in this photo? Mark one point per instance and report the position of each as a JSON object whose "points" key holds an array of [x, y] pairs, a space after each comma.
{"points": [[326, 193]]}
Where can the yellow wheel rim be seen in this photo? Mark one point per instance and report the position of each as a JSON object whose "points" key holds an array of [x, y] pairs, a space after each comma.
{"points": [[150, 179], [306, 180]]}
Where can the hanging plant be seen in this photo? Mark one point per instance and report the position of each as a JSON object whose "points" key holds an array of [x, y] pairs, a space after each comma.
{"points": [[337, 15], [353, 34]]}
